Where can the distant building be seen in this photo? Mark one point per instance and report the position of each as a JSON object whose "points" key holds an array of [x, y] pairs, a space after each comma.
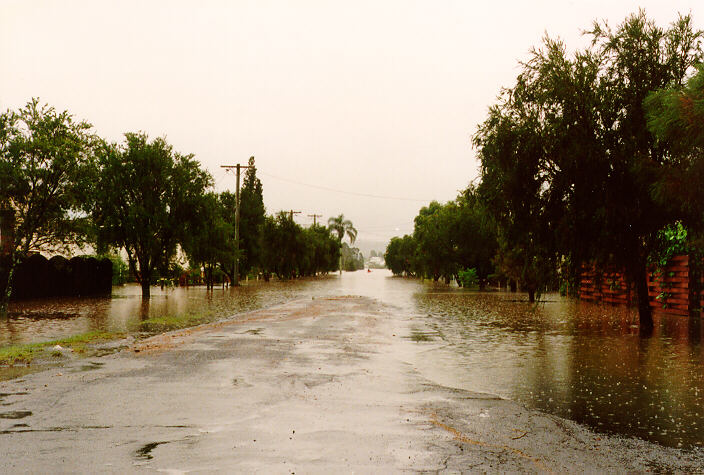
{"points": [[376, 263]]}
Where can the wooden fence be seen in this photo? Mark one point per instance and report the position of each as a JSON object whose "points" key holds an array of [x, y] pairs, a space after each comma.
{"points": [[668, 288]]}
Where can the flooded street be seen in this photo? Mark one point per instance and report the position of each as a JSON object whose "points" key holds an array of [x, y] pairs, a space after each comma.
{"points": [[576, 360]]}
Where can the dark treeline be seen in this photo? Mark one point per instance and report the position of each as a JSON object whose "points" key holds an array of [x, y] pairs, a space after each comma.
{"points": [[62, 187], [591, 157], [446, 241]]}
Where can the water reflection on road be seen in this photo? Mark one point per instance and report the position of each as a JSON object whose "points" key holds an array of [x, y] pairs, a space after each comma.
{"points": [[581, 361]]}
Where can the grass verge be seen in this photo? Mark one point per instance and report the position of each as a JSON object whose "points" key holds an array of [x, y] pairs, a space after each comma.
{"points": [[26, 353], [171, 322]]}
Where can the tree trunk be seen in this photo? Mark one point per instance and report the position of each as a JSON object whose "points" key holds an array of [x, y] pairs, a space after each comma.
{"points": [[8, 264], [640, 280], [531, 296], [146, 289], [513, 286]]}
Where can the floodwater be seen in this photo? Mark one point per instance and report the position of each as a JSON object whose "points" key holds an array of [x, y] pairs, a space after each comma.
{"points": [[577, 360]]}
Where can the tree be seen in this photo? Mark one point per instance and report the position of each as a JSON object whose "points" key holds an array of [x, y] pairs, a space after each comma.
{"points": [[352, 258], [342, 227], [208, 237], [511, 147], [44, 161], [476, 237], [399, 254], [434, 232], [145, 200], [323, 253], [578, 125], [676, 118], [252, 214]]}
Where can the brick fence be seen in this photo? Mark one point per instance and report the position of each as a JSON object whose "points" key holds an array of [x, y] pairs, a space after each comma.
{"points": [[668, 289]]}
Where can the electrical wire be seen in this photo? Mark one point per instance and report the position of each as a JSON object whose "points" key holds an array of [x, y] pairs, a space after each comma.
{"points": [[353, 193]]}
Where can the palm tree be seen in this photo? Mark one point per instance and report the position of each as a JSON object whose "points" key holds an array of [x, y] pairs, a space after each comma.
{"points": [[341, 226]]}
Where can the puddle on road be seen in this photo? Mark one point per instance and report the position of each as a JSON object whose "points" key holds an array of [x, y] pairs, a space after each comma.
{"points": [[15, 414], [421, 336], [145, 452], [20, 393], [90, 366]]}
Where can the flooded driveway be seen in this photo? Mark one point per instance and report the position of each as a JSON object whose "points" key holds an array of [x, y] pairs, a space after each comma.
{"points": [[579, 361]]}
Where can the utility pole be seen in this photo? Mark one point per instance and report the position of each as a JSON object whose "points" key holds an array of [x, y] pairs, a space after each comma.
{"points": [[315, 216], [292, 212], [236, 272]]}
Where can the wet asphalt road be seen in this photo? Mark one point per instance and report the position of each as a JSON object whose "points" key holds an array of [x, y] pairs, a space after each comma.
{"points": [[328, 385]]}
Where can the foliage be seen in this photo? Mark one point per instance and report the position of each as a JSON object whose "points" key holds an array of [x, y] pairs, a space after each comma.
{"points": [[676, 118], [208, 240], [45, 156], [568, 164], [289, 251], [670, 241], [342, 227], [400, 255], [468, 277], [447, 238], [145, 199], [352, 258], [120, 270], [252, 214]]}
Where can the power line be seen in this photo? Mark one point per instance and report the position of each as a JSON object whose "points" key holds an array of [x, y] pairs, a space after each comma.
{"points": [[315, 216], [353, 193]]}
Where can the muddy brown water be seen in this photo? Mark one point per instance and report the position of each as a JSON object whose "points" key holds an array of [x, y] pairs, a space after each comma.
{"points": [[578, 360]]}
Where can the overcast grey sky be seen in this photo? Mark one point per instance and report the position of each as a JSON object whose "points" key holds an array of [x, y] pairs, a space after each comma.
{"points": [[368, 97]]}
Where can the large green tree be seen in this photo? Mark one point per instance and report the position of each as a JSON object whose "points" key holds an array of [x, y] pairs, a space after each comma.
{"points": [[676, 118], [145, 197], [401, 254], [594, 163], [252, 214], [511, 147], [45, 156], [208, 238]]}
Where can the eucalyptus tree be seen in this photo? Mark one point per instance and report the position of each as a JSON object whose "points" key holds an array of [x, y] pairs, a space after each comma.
{"points": [[45, 162], [145, 198]]}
